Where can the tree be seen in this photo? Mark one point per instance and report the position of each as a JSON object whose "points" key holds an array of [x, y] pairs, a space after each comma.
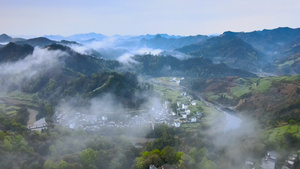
{"points": [[179, 156], [169, 155], [8, 145], [193, 153], [186, 162], [49, 164], [155, 160], [207, 164], [63, 165], [203, 152], [53, 151], [88, 157]]}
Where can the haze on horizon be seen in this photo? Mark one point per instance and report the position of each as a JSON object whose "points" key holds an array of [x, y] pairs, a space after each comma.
{"points": [[135, 17]]}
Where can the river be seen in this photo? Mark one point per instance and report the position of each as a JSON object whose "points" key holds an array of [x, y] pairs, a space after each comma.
{"points": [[231, 121]]}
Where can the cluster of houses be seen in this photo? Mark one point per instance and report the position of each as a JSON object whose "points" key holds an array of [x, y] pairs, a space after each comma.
{"points": [[270, 160], [177, 80], [184, 114], [80, 120], [162, 114], [290, 162], [96, 121]]}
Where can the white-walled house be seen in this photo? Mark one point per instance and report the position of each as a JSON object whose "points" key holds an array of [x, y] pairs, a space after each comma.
{"points": [[177, 124], [104, 118], [184, 106], [183, 114], [188, 111], [193, 119], [178, 104]]}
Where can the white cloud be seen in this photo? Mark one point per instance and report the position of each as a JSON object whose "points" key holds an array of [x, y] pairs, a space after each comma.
{"points": [[127, 57], [40, 61]]}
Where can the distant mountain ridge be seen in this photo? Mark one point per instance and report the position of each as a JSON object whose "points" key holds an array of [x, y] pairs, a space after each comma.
{"points": [[227, 49], [271, 41], [40, 41], [289, 63], [194, 67], [256, 51], [153, 65], [171, 43], [77, 37], [6, 38]]}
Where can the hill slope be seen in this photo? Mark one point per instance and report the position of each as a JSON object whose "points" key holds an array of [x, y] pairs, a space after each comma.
{"points": [[156, 65], [13, 52], [40, 41], [289, 63], [227, 49], [272, 98], [270, 42]]}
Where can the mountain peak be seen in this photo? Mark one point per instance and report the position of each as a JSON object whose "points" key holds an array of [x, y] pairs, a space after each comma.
{"points": [[5, 38]]}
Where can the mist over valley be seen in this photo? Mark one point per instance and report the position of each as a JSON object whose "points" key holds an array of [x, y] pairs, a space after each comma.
{"points": [[227, 101]]}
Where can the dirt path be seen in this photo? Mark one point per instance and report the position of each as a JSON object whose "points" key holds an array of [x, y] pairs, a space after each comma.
{"points": [[32, 117]]}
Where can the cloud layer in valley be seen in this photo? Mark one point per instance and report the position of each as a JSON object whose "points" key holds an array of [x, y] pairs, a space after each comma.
{"points": [[13, 74]]}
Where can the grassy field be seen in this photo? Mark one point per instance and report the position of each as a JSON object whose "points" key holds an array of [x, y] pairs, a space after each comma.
{"points": [[262, 85], [246, 86], [20, 98], [8, 110], [191, 127], [169, 90], [212, 96], [239, 91], [275, 136]]}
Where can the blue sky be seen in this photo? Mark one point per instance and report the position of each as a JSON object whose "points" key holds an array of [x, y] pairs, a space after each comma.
{"points": [[134, 17]]}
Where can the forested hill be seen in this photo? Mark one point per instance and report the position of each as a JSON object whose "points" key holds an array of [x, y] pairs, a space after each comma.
{"points": [[56, 71], [153, 65], [12, 52], [269, 41], [156, 65], [289, 63], [83, 63], [227, 49], [269, 98]]}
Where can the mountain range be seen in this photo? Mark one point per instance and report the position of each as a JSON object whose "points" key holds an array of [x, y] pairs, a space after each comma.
{"points": [[274, 51], [227, 49]]}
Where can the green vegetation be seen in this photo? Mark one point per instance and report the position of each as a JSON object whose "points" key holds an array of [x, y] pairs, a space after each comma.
{"points": [[157, 66], [227, 49], [274, 101], [262, 85], [8, 110], [239, 91], [171, 94], [278, 135], [212, 96], [61, 147]]}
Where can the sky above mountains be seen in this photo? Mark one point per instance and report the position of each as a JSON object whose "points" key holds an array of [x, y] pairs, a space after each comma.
{"points": [[134, 17]]}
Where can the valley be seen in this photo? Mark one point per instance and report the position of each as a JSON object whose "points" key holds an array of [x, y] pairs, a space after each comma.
{"points": [[213, 102]]}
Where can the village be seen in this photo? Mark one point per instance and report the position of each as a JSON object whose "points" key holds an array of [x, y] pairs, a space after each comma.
{"points": [[161, 115]]}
